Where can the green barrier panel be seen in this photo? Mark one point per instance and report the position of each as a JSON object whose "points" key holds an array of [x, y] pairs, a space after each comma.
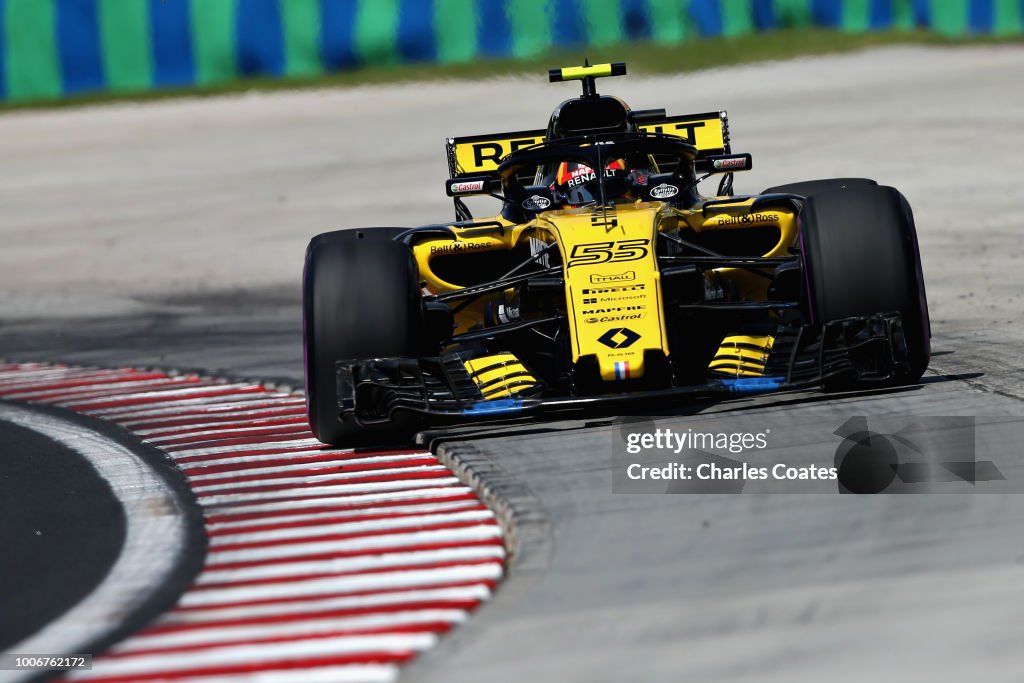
{"points": [[301, 19], [376, 28], [529, 22], [603, 21], [949, 17], [213, 40], [670, 22], [856, 16], [737, 17], [127, 54], [903, 15], [32, 67], [791, 13], [455, 30], [1008, 20], [531, 26]]}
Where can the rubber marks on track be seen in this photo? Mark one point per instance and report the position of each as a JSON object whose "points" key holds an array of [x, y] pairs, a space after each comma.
{"points": [[323, 564]]}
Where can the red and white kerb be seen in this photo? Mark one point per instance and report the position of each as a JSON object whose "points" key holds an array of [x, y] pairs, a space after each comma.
{"points": [[323, 564]]}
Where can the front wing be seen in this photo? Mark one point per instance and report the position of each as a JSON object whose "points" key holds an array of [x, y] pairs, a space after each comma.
{"points": [[439, 390]]}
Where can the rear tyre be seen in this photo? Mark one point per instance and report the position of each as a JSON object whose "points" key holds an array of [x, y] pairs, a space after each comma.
{"points": [[809, 188], [360, 299], [859, 248]]}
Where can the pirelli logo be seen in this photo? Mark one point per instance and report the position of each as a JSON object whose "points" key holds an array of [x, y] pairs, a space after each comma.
{"points": [[614, 290]]}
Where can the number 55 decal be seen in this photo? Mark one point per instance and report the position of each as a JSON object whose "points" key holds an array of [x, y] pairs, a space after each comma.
{"points": [[606, 252]]}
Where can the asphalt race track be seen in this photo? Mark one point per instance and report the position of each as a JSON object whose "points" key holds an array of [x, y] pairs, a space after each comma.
{"points": [[172, 235], [55, 507], [100, 533]]}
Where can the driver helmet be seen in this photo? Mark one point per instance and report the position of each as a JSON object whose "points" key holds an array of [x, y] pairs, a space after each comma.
{"points": [[576, 183]]}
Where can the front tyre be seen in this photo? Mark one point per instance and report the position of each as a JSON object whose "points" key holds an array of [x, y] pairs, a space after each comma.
{"points": [[360, 300], [860, 252]]}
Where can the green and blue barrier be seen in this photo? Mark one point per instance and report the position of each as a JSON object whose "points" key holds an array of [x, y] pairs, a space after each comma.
{"points": [[58, 48]]}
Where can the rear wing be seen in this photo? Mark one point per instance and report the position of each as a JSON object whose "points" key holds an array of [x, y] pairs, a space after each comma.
{"points": [[475, 154]]}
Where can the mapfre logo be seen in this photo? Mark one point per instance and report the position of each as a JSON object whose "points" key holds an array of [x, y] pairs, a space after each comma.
{"points": [[628, 276]]}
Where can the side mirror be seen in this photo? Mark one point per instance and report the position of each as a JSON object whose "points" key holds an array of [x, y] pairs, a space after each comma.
{"points": [[725, 163], [469, 185]]}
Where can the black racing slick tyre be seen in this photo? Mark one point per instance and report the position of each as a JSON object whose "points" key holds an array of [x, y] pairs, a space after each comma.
{"points": [[360, 300], [860, 254], [809, 188]]}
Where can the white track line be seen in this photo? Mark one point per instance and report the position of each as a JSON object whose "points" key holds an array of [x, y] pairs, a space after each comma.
{"points": [[193, 389], [350, 673], [422, 578], [349, 527], [251, 655], [148, 427], [98, 390], [202, 487], [368, 499], [321, 603], [214, 450], [240, 408], [481, 532], [315, 517], [299, 466], [257, 457], [320, 491], [176, 406], [361, 563], [309, 628], [227, 431]]}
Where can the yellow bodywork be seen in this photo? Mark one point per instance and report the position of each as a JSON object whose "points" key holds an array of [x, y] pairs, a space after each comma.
{"points": [[742, 356], [500, 375], [613, 288], [612, 284]]}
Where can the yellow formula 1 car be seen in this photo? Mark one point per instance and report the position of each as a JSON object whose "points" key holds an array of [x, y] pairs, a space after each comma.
{"points": [[608, 278]]}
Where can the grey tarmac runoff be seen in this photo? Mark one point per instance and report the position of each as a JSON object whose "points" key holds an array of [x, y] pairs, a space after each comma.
{"points": [[172, 234]]}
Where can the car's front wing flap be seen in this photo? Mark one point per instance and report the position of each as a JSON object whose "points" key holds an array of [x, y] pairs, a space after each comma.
{"points": [[861, 350]]}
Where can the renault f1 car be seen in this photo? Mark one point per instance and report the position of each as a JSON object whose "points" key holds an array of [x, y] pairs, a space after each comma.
{"points": [[607, 278]]}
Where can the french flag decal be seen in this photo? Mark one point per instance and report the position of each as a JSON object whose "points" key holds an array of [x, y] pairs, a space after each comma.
{"points": [[622, 369]]}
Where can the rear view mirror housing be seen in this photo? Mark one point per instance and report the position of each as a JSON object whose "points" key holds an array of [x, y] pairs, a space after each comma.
{"points": [[725, 163], [467, 186]]}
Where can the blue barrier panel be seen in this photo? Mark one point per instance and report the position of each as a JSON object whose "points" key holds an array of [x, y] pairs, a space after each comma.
{"points": [[78, 40], [260, 38], [170, 29], [337, 34]]}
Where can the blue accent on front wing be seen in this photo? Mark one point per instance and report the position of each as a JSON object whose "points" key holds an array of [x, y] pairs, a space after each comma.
{"points": [[753, 385], [499, 405]]}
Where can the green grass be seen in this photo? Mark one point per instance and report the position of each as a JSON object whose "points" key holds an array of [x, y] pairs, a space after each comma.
{"points": [[642, 58]]}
